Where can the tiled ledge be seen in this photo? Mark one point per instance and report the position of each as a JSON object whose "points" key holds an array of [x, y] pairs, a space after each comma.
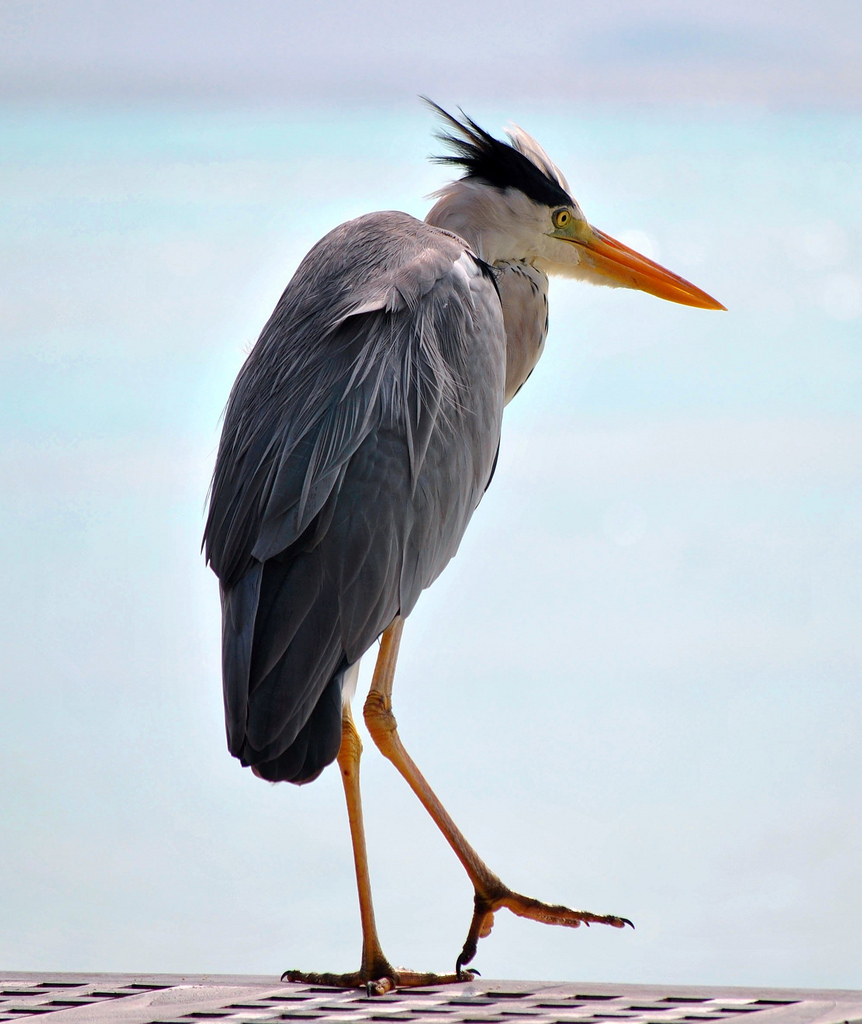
{"points": [[189, 999]]}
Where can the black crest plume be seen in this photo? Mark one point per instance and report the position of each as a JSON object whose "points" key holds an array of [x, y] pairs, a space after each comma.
{"points": [[486, 159]]}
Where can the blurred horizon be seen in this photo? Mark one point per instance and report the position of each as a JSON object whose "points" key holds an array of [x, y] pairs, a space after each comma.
{"points": [[794, 55]]}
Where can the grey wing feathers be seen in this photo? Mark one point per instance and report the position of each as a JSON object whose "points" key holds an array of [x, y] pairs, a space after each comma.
{"points": [[357, 442]]}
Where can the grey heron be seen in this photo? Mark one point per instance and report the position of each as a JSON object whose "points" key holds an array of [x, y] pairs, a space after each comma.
{"points": [[358, 439]]}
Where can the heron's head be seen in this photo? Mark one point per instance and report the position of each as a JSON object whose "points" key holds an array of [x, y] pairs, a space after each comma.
{"points": [[513, 203]]}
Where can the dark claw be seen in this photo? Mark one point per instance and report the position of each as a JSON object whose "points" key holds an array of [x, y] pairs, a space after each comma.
{"points": [[467, 973], [466, 955]]}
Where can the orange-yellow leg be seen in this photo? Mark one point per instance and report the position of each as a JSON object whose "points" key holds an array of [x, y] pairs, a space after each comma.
{"points": [[490, 893], [376, 974]]}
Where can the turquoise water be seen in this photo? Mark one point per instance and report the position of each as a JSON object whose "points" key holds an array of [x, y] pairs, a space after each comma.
{"points": [[637, 685], [126, 237]]}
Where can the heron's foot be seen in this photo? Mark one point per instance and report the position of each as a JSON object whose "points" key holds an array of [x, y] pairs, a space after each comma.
{"points": [[487, 903], [382, 978]]}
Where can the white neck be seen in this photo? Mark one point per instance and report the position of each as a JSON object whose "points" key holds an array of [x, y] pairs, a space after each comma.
{"points": [[501, 228], [498, 226]]}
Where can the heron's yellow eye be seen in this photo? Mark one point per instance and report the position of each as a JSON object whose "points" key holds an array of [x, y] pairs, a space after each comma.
{"points": [[562, 218]]}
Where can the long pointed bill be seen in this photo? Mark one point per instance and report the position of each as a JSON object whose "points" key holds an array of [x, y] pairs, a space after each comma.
{"points": [[628, 268]]}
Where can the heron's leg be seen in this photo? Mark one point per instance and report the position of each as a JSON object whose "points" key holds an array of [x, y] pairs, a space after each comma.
{"points": [[490, 893], [374, 963], [376, 973]]}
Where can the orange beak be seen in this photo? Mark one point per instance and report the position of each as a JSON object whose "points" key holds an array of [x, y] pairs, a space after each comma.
{"points": [[612, 259]]}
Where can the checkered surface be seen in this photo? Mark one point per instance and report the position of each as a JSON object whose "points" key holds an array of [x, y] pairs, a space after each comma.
{"points": [[174, 999]]}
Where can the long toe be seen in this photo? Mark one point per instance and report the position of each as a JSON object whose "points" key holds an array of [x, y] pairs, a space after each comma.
{"points": [[374, 986], [525, 906], [485, 905], [352, 980]]}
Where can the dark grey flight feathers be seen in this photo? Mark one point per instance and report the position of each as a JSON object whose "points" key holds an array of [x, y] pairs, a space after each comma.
{"points": [[336, 498], [358, 440]]}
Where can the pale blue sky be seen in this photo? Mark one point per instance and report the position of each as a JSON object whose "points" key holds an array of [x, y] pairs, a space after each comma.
{"points": [[637, 686]]}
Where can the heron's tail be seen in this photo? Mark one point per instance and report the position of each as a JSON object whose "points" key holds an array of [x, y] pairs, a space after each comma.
{"points": [[314, 748], [283, 671]]}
